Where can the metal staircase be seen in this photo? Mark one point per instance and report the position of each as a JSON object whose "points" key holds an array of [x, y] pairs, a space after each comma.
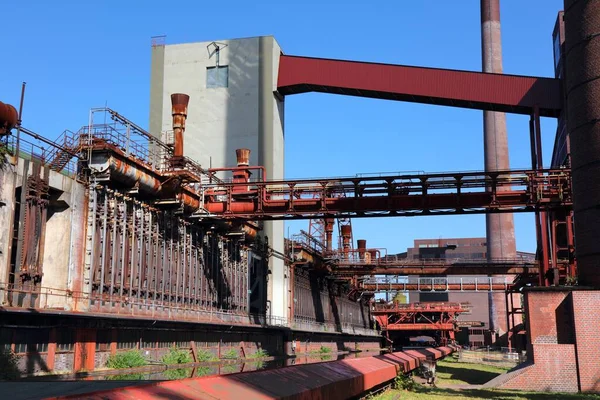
{"points": [[59, 157]]}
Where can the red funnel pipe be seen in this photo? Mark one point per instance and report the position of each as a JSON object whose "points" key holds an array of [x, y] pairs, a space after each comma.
{"points": [[243, 157], [179, 102]]}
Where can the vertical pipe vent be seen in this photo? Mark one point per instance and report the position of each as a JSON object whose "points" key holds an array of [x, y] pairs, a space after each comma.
{"points": [[179, 102], [243, 157]]}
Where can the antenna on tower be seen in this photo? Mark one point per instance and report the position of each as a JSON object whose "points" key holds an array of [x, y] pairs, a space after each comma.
{"points": [[214, 49]]}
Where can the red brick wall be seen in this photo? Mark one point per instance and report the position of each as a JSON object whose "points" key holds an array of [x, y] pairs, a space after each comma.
{"points": [[554, 370], [564, 332], [586, 310], [541, 316]]}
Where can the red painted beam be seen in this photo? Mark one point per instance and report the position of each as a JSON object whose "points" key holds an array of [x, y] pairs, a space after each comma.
{"points": [[467, 89]]}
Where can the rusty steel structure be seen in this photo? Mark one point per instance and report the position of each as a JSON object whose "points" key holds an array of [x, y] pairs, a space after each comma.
{"points": [[318, 298], [165, 238], [402, 195], [28, 244], [436, 284], [418, 317]]}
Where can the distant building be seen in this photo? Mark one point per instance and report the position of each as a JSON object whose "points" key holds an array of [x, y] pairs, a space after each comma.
{"points": [[467, 249]]}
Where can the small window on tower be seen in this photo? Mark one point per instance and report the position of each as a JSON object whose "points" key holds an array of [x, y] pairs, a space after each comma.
{"points": [[217, 77]]}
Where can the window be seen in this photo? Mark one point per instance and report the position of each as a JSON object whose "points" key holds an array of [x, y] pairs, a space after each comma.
{"points": [[127, 339], [217, 77], [64, 340], [5, 338], [32, 341], [103, 339]]}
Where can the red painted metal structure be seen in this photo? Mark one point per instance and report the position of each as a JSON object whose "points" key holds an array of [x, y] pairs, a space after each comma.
{"points": [[418, 316], [402, 195], [333, 380], [467, 89]]}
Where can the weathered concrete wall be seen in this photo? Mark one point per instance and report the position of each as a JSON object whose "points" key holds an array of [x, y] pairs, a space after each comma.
{"points": [[7, 209], [64, 232]]}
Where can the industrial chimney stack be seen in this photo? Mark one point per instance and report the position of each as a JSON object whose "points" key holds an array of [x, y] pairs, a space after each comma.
{"points": [[179, 104], [500, 228]]}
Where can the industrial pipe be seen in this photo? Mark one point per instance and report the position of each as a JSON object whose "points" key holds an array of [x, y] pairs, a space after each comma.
{"points": [[243, 157], [346, 231], [329, 234], [8, 118], [361, 245], [179, 102]]}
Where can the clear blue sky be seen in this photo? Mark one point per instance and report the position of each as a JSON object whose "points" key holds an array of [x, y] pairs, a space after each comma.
{"points": [[76, 55]]}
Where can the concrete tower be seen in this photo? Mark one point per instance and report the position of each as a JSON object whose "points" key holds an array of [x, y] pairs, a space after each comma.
{"points": [[233, 104], [500, 228]]}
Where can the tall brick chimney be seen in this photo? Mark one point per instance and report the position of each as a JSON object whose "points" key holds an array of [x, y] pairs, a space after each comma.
{"points": [[500, 228]]}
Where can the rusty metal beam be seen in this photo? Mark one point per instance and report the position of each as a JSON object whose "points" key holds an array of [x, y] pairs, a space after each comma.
{"points": [[403, 195], [467, 89], [448, 270], [438, 288]]}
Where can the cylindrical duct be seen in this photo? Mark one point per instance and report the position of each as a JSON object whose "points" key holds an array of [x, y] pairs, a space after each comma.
{"points": [[373, 254], [582, 59], [243, 157], [179, 102], [329, 234], [346, 231], [361, 244]]}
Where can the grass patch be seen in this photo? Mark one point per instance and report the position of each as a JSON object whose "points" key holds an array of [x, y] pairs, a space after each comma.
{"points": [[180, 373], [260, 353], [125, 377], [451, 372], [129, 359], [205, 371], [176, 356], [229, 369], [8, 365], [422, 393], [457, 373], [322, 350], [404, 382], [230, 354], [205, 356]]}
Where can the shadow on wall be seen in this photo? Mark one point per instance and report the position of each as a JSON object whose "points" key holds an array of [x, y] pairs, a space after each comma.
{"points": [[214, 270]]}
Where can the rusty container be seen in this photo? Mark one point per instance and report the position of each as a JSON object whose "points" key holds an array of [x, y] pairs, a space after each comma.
{"points": [[9, 117]]}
